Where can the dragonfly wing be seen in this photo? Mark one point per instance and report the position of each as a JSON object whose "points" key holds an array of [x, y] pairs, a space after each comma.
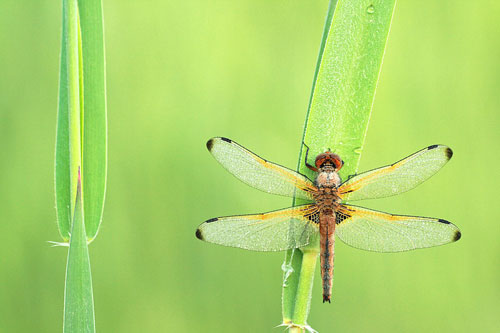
{"points": [[259, 173], [381, 232], [397, 178], [274, 231]]}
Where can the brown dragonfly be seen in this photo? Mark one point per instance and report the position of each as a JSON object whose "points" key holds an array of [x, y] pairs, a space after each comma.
{"points": [[328, 214]]}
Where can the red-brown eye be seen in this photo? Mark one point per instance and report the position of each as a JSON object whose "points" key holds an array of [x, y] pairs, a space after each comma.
{"points": [[330, 158], [337, 161], [320, 159], [339, 164]]}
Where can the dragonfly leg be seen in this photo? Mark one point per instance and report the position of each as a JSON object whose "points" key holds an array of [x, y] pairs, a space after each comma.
{"points": [[305, 160]]}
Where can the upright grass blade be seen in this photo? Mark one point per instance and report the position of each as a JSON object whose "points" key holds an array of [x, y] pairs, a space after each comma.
{"points": [[343, 91], [68, 143], [94, 129], [81, 126], [78, 299], [293, 258], [80, 168]]}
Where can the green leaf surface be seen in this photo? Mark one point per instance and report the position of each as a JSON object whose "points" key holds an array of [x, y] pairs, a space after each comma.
{"points": [[346, 77], [62, 176], [68, 155], [81, 123], [78, 299], [293, 258], [80, 169], [94, 136]]}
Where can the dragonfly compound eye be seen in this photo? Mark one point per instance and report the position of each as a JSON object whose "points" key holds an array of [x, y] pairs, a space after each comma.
{"points": [[321, 159], [329, 158]]}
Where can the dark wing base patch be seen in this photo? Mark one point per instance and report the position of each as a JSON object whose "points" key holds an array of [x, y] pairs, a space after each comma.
{"points": [[313, 217], [341, 217]]}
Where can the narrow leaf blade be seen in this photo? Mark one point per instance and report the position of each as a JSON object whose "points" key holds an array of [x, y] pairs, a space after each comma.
{"points": [[78, 299], [62, 175], [347, 78], [343, 91], [94, 138]]}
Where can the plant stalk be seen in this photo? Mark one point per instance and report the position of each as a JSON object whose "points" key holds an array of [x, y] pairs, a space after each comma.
{"points": [[342, 96]]}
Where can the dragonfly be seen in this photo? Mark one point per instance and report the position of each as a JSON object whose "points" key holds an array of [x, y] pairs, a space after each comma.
{"points": [[328, 213]]}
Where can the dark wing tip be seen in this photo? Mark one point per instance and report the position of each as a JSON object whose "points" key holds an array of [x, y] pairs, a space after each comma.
{"points": [[457, 235], [198, 234], [444, 221], [211, 220], [449, 152], [210, 144]]}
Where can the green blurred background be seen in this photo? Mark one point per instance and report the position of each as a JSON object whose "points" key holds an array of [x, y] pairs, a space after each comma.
{"points": [[182, 72]]}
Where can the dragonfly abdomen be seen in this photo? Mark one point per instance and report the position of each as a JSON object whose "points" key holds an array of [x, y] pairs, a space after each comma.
{"points": [[327, 241]]}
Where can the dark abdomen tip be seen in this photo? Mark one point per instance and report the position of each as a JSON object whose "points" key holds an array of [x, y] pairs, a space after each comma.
{"points": [[326, 298]]}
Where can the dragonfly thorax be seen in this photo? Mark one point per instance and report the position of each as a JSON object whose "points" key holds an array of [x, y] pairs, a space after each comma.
{"points": [[327, 177], [328, 164]]}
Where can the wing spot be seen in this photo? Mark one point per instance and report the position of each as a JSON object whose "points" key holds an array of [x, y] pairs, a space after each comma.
{"points": [[226, 139], [432, 147], [198, 234], [313, 217], [340, 217], [444, 221], [457, 235], [212, 220], [210, 144], [449, 153]]}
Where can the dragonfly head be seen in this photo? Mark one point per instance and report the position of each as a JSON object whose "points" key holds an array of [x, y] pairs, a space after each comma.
{"points": [[329, 158]]}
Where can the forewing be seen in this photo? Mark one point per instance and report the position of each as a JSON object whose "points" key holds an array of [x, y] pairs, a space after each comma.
{"points": [[259, 173], [398, 177], [274, 231], [381, 232]]}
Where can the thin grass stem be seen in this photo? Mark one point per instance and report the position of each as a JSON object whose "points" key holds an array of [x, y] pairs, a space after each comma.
{"points": [[342, 96]]}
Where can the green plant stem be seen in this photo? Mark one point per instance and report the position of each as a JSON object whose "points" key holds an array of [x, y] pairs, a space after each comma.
{"points": [[94, 118], [78, 296], [81, 152], [81, 139], [343, 91], [294, 257], [74, 93], [304, 290]]}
